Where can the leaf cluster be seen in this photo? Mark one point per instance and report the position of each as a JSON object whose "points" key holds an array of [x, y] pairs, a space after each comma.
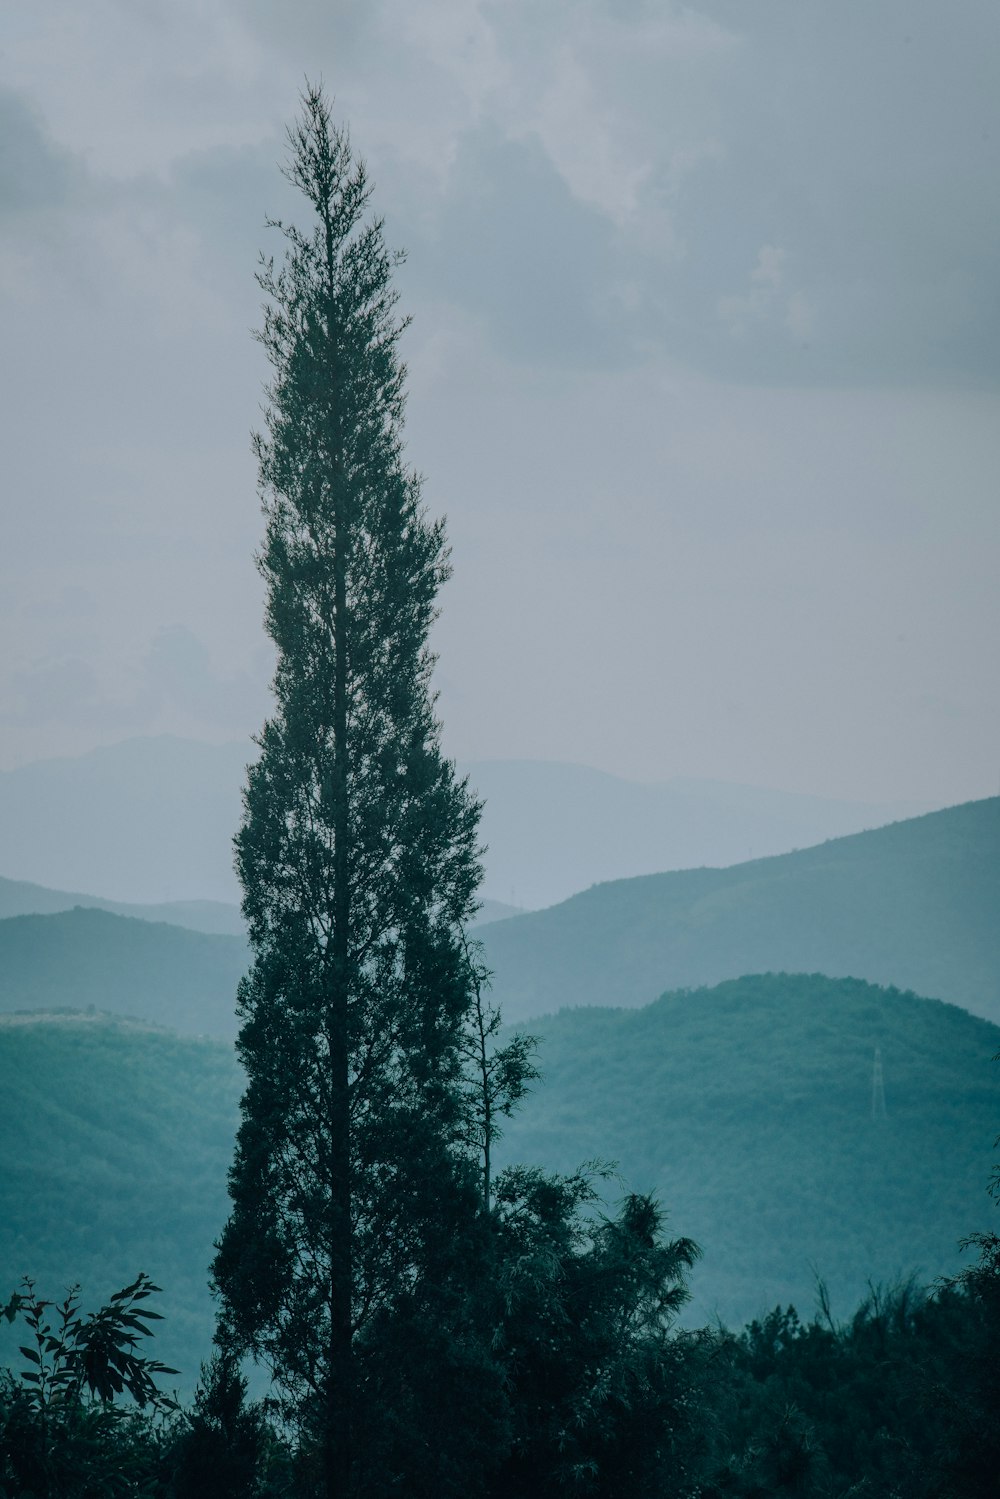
{"points": [[599, 1382], [74, 1355], [60, 1431]]}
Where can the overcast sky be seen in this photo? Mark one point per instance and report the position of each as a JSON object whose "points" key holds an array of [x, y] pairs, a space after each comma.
{"points": [[704, 371]]}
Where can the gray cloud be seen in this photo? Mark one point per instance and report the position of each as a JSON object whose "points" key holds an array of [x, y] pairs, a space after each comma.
{"points": [[34, 172], [675, 271], [178, 673], [512, 245], [589, 179]]}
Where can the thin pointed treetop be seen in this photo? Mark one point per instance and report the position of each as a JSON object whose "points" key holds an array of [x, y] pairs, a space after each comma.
{"points": [[358, 851]]}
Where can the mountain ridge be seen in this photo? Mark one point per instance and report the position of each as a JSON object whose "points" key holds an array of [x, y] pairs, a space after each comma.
{"points": [[26, 898], [150, 820], [915, 903], [176, 977]]}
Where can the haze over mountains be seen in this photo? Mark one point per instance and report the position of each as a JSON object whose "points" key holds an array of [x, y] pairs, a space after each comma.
{"points": [[151, 820], [748, 1106], [915, 904], [22, 898], [553, 829]]}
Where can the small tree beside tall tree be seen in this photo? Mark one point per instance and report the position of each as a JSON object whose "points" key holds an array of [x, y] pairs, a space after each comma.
{"points": [[401, 1296]]}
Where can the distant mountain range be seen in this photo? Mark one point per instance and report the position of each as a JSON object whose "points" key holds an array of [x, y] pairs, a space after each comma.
{"points": [[19, 898], [151, 821], [747, 1107], [146, 821], [553, 829], [915, 904]]}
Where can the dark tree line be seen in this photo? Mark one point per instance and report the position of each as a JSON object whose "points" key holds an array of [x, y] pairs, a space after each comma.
{"points": [[902, 1401]]}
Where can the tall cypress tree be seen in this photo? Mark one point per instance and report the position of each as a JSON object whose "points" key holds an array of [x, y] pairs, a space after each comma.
{"points": [[358, 846]]}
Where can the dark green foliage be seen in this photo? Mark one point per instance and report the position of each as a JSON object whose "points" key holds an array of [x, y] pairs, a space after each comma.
{"points": [[61, 1435], [434, 1400], [226, 1448], [357, 853], [900, 1402], [497, 1078], [72, 1353], [156, 972], [970, 1456], [913, 904], [597, 1398], [599, 1387]]}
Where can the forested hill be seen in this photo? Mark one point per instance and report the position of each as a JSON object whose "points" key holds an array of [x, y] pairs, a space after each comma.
{"points": [[916, 904], [165, 974], [155, 971], [747, 1107], [117, 1138]]}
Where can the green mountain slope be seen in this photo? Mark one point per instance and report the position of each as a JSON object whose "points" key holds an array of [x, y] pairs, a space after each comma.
{"points": [[21, 898], [182, 979], [915, 904], [747, 1107], [117, 1139]]}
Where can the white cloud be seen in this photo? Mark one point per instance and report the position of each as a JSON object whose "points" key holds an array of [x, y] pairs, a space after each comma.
{"points": [[766, 302], [770, 268]]}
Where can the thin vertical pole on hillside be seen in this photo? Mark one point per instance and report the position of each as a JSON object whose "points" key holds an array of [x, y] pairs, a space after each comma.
{"points": [[878, 1086]]}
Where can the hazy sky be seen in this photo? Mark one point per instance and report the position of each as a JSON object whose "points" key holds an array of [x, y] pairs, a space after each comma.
{"points": [[704, 370]]}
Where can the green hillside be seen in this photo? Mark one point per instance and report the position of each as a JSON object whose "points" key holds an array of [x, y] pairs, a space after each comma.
{"points": [[117, 1139], [915, 904], [182, 979], [748, 1107]]}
